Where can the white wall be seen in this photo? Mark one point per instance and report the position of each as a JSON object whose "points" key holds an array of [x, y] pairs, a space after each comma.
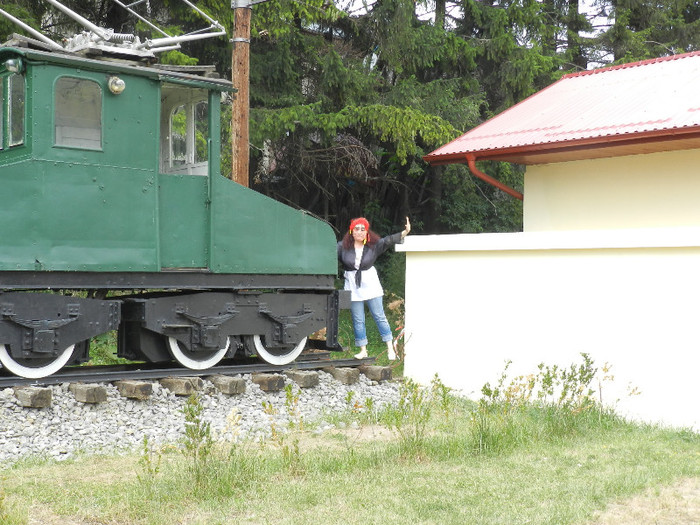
{"points": [[628, 298], [636, 191]]}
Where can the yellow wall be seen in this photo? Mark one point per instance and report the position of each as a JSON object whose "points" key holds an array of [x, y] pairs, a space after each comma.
{"points": [[475, 301], [637, 191]]}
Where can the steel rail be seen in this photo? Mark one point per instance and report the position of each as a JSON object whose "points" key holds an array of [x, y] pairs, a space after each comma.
{"points": [[147, 371]]}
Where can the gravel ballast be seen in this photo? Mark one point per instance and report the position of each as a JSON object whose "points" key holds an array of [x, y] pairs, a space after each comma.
{"points": [[119, 424]]}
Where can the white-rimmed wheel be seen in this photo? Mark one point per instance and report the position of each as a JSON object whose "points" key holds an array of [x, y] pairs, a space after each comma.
{"points": [[282, 355], [199, 360], [35, 368]]}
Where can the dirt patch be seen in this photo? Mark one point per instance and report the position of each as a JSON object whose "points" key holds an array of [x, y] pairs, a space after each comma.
{"points": [[678, 504], [342, 438], [365, 433]]}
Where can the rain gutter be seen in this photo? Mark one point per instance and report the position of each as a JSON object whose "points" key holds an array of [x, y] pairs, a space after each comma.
{"points": [[471, 162]]}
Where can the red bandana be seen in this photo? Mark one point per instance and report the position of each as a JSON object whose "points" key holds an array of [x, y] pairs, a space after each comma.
{"points": [[360, 221]]}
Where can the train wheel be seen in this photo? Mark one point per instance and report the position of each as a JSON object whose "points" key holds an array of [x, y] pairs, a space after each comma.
{"points": [[207, 360], [277, 356], [35, 368]]}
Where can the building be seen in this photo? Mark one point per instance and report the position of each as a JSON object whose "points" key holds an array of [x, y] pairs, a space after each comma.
{"points": [[609, 260]]}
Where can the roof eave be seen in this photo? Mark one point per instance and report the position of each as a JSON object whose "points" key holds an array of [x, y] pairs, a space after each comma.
{"points": [[580, 149]]}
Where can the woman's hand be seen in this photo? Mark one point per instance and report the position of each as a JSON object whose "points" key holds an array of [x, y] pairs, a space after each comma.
{"points": [[407, 229]]}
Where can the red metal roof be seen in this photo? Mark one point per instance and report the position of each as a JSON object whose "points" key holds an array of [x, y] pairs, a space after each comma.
{"points": [[653, 105]]}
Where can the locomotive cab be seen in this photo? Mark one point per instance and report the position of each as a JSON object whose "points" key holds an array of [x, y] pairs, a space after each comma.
{"points": [[116, 217]]}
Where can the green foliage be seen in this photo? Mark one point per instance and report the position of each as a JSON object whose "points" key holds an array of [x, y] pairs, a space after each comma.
{"points": [[177, 58], [566, 388], [149, 465], [442, 397], [511, 61], [471, 205], [349, 399], [443, 97], [644, 29], [103, 350], [560, 400], [343, 82], [274, 75], [198, 442], [292, 397], [288, 444], [410, 418], [392, 271], [553, 404], [20, 11], [416, 412], [279, 18], [404, 128]]}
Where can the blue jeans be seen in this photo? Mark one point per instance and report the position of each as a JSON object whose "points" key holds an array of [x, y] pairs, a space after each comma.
{"points": [[376, 308]]}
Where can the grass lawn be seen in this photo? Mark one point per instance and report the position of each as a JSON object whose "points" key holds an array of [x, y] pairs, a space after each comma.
{"points": [[434, 459]]}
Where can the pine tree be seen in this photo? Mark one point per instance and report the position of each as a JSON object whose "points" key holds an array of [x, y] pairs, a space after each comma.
{"points": [[641, 29]]}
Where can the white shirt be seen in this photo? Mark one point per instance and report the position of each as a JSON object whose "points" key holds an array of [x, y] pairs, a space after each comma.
{"points": [[370, 287]]}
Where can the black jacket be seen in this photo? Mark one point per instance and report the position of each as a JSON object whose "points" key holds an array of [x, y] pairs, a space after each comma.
{"points": [[370, 252]]}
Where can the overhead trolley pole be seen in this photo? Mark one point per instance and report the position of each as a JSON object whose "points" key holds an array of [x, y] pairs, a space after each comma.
{"points": [[240, 77]]}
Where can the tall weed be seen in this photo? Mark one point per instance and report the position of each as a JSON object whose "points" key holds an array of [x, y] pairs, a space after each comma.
{"points": [[291, 403], [364, 412], [413, 414], [149, 465], [288, 444], [552, 403], [198, 442]]}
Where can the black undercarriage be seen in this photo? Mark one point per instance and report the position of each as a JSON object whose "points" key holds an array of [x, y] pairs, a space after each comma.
{"points": [[195, 318]]}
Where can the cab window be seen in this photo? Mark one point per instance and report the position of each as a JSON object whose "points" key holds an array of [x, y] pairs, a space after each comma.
{"points": [[184, 130], [12, 117], [2, 118], [15, 110], [78, 113]]}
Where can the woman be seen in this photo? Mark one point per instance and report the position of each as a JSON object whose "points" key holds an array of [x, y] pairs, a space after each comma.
{"points": [[357, 252]]}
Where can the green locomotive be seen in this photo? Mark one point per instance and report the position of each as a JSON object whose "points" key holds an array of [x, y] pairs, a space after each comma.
{"points": [[115, 217]]}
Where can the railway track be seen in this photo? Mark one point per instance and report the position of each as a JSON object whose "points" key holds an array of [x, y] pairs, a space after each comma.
{"points": [[149, 371]]}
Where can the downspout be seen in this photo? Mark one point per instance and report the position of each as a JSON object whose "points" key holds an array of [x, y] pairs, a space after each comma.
{"points": [[471, 162]]}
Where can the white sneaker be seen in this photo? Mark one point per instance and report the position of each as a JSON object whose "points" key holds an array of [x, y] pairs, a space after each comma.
{"points": [[362, 354], [390, 354]]}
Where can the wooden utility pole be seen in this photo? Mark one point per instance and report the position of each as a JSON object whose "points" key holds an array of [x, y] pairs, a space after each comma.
{"points": [[240, 76]]}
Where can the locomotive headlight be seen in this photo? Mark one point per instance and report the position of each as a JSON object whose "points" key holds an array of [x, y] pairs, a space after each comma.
{"points": [[116, 85], [14, 65]]}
